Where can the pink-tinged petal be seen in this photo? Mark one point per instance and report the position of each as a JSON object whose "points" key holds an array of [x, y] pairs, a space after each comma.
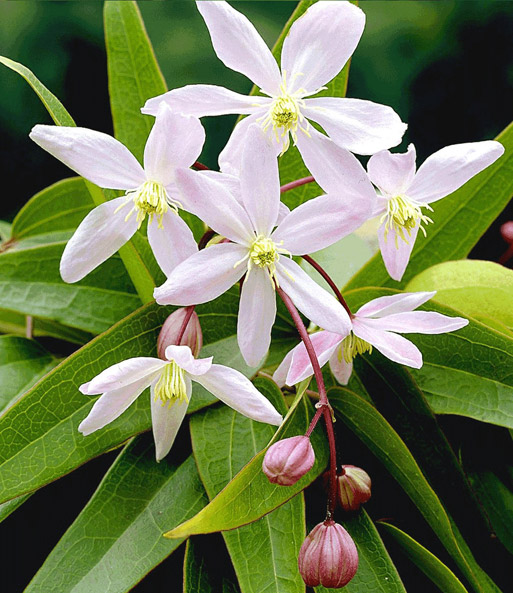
{"points": [[203, 276], [200, 100], [340, 368], [283, 212], [449, 168], [172, 243], [324, 344], [335, 169], [166, 421], [231, 156], [391, 345], [184, 358], [280, 374], [321, 222], [239, 46], [396, 303], [418, 322], [214, 204], [257, 312], [320, 43], [112, 404], [260, 181], [230, 182], [392, 173], [312, 300], [360, 126], [98, 157], [396, 252], [102, 232], [235, 390], [122, 374], [175, 141]]}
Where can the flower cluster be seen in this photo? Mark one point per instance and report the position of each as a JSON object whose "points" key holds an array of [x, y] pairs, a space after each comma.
{"points": [[257, 238]]}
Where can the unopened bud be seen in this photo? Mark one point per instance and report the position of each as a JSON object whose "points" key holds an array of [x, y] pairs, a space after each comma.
{"points": [[287, 461], [328, 556], [171, 329], [354, 487], [507, 231]]}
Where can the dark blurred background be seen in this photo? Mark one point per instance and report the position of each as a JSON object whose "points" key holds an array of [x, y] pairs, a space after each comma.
{"points": [[445, 67]]}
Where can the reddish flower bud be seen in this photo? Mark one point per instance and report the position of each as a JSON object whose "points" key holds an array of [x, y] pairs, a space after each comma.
{"points": [[354, 487], [288, 460], [328, 556], [507, 231], [169, 334]]}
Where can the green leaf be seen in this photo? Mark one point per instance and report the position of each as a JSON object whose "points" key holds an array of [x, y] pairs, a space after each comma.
{"points": [[223, 443], [22, 363], [117, 538], [195, 575], [376, 571], [250, 495], [479, 289], [54, 107], [431, 566], [11, 505], [373, 430], [35, 453], [5, 230], [459, 221]]}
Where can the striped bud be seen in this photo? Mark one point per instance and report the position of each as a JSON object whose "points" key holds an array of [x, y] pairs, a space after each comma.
{"points": [[288, 460], [354, 487], [170, 332]]}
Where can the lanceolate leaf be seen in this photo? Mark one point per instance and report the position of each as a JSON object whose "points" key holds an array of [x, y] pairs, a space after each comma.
{"points": [[223, 442], [195, 575], [459, 221], [117, 538], [10, 506]]}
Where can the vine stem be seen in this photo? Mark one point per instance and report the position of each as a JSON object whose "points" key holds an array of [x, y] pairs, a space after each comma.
{"points": [[200, 166], [296, 183], [329, 280], [323, 407]]}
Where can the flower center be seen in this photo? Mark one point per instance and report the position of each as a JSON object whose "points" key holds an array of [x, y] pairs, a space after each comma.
{"points": [[351, 346], [264, 252], [150, 199], [404, 214], [171, 385]]}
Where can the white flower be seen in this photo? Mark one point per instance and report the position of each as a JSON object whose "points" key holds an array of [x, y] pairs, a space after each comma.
{"points": [[170, 385], [315, 50], [175, 141]]}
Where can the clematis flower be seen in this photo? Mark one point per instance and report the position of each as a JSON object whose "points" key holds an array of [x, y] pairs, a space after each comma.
{"points": [[259, 252], [377, 324], [404, 193], [170, 386], [175, 141], [316, 48]]}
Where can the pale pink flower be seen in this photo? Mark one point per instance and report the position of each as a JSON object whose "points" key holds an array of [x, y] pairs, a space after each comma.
{"points": [[405, 192], [170, 386], [315, 50], [375, 325], [260, 251], [175, 141]]}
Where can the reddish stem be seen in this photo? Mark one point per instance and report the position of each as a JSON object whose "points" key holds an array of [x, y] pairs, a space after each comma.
{"points": [[207, 235], [507, 255], [296, 183], [185, 323], [200, 166], [329, 280]]}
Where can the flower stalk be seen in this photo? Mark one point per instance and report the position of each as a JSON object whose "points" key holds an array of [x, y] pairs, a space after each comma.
{"points": [[296, 183]]}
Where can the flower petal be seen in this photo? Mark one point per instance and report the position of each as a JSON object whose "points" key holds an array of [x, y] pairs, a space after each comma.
{"points": [[260, 181], [172, 243], [418, 322], [166, 421], [324, 344], [391, 345], [257, 312], [392, 173], [340, 368], [230, 182], [175, 141], [203, 276], [112, 404], [235, 390], [449, 168], [360, 126], [214, 204], [94, 155], [231, 156], [102, 232], [396, 303], [320, 43], [205, 99], [395, 251], [184, 358], [280, 374], [312, 300], [122, 374], [239, 46]]}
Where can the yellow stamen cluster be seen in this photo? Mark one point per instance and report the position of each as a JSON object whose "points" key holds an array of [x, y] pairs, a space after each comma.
{"points": [[403, 215], [264, 253], [171, 386], [150, 199], [351, 346]]}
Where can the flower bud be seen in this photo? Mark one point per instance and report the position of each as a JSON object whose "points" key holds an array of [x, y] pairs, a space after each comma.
{"points": [[354, 487], [192, 337], [507, 231], [328, 556], [288, 460]]}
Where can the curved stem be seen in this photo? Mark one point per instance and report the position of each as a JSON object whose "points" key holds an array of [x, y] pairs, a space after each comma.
{"points": [[200, 166], [207, 235], [296, 183], [329, 280]]}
